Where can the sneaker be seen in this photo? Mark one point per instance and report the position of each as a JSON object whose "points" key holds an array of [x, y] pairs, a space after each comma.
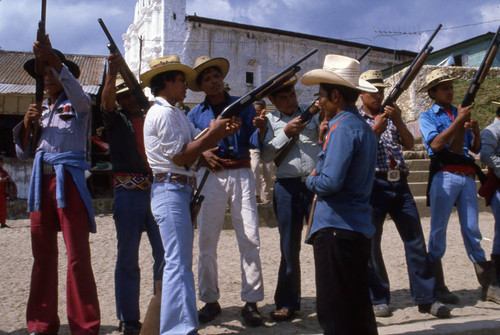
{"points": [[382, 310], [129, 328], [436, 308], [251, 315], [208, 312]]}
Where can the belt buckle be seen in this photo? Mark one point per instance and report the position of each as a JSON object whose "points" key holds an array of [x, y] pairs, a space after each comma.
{"points": [[393, 175]]}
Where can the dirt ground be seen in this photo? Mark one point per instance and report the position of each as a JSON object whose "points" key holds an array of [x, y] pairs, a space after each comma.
{"points": [[16, 265]]}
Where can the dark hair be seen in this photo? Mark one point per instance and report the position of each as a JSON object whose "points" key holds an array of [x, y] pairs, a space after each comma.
{"points": [[285, 89], [498, 111], [350, 95], [158, 81], [198, 78], [432, 89], [261, 103]]}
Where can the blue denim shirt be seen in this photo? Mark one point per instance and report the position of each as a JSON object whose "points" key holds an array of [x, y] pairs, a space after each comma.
{"points": [[344, 175], [434, 121], [232, 146]]}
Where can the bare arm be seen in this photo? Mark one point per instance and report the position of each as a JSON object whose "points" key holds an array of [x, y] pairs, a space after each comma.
{"points": [[440, 141], [109, 90]]}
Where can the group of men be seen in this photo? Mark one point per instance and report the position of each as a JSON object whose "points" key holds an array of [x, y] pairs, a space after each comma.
{"points": [[350, 159]]}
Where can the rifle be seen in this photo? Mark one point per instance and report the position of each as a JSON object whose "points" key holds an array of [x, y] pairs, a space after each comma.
{"points": [[39, 74], [127, 75], [261, 92], [305, 117], [457, 143], [410, 74]]}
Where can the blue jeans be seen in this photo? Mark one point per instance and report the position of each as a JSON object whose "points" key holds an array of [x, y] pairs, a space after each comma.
{"points": [[132, 213], [447, 189], [495, 208], [395, 199], [292, 201], [170, 207]]}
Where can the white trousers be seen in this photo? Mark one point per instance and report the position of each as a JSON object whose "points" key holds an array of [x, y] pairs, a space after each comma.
{"points": [[236, 188], [263, 180]]}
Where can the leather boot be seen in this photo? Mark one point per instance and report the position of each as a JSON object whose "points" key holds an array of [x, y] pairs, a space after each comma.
{"points": [[442, 292], [486, 276]]}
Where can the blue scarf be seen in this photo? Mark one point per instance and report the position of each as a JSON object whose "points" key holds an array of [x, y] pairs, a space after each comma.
{"points": [[72, 161]]}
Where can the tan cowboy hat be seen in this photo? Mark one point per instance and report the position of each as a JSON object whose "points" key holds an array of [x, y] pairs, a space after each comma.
{"points": [[292, 81], [338, 70], [165, 64], [204, 62], [121, 86], [374, 77], [436, 77]]}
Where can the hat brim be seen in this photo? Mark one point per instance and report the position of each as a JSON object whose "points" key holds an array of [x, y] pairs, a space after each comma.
{"points": [[379, 84], [290, 82], [188, 73], [29, 66], [427, 87], [218, 62], [126, 88], [318, 76]]}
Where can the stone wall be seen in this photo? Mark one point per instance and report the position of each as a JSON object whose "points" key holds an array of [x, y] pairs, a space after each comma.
{"points": [[20, 172]]}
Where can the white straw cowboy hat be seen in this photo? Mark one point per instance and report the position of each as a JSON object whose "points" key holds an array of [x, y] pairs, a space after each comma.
{"points": [[338, 70], [292, 81], [204, 62], [436, 77], [164, 64], [374, 77], [121, 86]]}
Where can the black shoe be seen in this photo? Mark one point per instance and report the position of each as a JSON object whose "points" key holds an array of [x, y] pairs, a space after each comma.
{"points": [[436, 308], [208, 312], [251, 315], [3, 225], [129, 328]]}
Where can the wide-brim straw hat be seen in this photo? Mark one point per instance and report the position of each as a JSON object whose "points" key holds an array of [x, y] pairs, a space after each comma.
{"points": [[121, 86], [374, 77], [436, 77], [165, 64], [29, 66], [292, 81], [204, 62], [338, 70]]}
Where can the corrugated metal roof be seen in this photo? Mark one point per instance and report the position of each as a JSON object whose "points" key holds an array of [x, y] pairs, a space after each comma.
{"points": [[14, 80]]}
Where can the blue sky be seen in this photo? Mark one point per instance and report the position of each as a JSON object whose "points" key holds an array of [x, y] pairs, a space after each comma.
{"points": [[73, 25]]}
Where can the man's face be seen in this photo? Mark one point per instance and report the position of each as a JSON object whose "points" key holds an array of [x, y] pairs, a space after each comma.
{"points": [[328, 105], [373, 101], [285, 102], [259, 109], [52, 85], [443, 94], [211, 82], [178, 88], [128, 102]]}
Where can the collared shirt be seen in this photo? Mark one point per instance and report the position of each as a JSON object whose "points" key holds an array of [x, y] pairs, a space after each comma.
{"points": [[434, 121], [344, 175], [232, 146], [490, 149], [61, 134], [389, 145], [166, 131], [123, 147], [303, 155]]}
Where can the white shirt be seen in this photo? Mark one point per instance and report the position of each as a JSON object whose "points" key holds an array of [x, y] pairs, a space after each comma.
{"points": [[166, 131]]}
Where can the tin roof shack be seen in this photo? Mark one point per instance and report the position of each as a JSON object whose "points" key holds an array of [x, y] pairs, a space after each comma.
{"points": [[17, 92]]}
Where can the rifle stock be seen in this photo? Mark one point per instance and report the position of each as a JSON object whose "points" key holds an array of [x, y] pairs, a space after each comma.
{"points": [[127, 75]]}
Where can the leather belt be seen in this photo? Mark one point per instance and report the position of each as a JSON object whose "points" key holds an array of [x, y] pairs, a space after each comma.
{"points": [[169, 177]]}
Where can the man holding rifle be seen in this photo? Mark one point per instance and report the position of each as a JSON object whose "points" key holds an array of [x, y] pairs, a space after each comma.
{"points": [[170, 145], [391, 195], [452, 181], [59, 199], [292, 199], [231, 181], [132, 185]]}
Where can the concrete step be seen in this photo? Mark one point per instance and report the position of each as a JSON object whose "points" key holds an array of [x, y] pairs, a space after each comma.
{"points": [[408, 155], [418, 164]]}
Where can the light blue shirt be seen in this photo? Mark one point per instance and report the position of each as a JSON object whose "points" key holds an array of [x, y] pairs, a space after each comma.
{"points": [[302, 157], [344, 175]]}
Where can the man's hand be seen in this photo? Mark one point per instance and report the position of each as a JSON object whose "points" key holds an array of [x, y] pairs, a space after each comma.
{"points": [[463, 113], [294, 127], [380, 124], [211, 160], [45, 53], [233, 125], [115, 62], [393, 112], [473, 126], [32, 115], [313, 172]]}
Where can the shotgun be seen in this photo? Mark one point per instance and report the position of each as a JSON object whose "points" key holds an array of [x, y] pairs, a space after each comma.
{"points": [[39, 74]]}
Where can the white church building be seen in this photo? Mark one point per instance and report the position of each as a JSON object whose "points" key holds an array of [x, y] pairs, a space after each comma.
{"points": [[162, 27]]}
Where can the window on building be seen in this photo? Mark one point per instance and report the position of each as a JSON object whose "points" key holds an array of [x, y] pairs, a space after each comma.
{"points": [[249, 78]]}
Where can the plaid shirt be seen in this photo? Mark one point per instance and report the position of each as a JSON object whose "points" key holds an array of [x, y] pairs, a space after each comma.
{"points": [[389, 145]]}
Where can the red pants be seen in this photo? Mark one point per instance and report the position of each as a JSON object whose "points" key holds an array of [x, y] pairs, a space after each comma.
{"points": [[3, 206], [81, 292]]}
